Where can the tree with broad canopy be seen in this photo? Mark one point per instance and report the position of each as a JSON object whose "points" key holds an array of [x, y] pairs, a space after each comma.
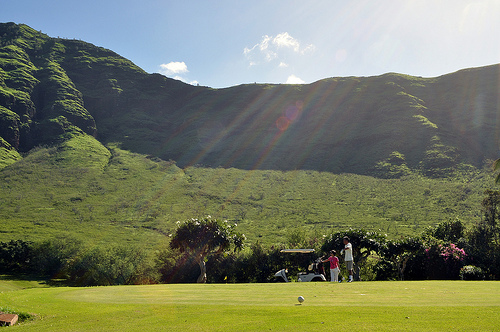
{"points": [[201, 237]]}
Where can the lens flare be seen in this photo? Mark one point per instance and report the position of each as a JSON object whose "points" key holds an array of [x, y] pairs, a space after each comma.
{"points": [[282, 123]]}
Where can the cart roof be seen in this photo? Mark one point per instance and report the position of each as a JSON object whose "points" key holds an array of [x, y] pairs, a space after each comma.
{"points": [[301, 251]]}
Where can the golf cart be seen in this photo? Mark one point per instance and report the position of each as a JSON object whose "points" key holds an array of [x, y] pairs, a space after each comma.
{"points": [[315, 271]]}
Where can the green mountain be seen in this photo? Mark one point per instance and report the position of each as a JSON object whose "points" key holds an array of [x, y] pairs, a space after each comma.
{"points": [[52, 88], [84, 135]]}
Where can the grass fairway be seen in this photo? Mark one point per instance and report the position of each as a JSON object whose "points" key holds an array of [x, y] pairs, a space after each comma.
{"points": [[361, 306]]}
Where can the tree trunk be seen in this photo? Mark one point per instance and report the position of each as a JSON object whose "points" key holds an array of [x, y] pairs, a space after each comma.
{"points": [[203, 271], [357, 268], [401, 267], [356, 272]]}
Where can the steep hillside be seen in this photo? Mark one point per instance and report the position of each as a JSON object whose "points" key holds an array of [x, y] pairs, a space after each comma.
{"points": [[387, 126]]}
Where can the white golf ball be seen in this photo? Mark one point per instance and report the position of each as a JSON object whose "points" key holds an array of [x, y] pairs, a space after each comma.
{"points": [[301, 299]]}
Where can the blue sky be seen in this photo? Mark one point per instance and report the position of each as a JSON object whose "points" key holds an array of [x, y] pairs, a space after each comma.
{"points": [[231, 42]]}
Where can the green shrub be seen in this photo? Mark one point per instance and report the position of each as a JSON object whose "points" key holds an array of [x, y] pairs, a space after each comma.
{"points": [[385, 270], [112, 265], [450, 231], [50, 257], [174, 267], [15, 256], [471, 272]]}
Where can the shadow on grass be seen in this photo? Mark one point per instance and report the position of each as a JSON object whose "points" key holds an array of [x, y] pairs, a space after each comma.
{"points": [[38, 280]]}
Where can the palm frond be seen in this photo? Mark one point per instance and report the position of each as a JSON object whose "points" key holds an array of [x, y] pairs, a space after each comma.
{"points": [[496, 167]]}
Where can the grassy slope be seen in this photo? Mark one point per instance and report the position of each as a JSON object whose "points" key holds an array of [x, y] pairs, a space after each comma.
{"points": [[8, 156], [366, 306], [84, 190], [76, 189]]}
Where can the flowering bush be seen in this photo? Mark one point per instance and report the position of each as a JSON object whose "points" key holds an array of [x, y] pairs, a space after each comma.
{"points": [[452, 252], [444, 261]]}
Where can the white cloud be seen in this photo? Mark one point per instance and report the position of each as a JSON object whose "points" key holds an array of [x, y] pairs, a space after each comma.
{"points": [[264, 44], [283, 65], [182, 79], [247, 50], [275, 48], [173, 68], [270, 55], [285, 40], [292, 79], [308, 49]]}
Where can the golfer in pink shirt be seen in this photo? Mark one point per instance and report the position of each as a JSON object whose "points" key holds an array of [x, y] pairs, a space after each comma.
{"points": [[334, 266]]}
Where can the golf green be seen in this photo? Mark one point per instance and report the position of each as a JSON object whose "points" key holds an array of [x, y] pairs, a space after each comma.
{"points": [[358, 306]]}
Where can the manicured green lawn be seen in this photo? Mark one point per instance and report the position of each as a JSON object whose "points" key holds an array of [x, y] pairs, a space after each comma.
{"points": [[362, 306]]}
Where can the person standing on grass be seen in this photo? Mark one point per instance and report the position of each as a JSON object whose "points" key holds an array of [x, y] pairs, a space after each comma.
{"points": [[334, 266], [348, 257]]}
